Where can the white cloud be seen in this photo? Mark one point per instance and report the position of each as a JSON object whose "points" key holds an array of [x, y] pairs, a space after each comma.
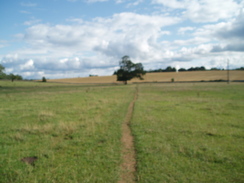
{"points": [[228, 47], [203, 10], [25, 12], [211, 10], [75, 20], [89, 45], [81, 47], [120, 1], [28, 4], [229, 34], [182, 30], [3, 43], [32, 21], [232, 30], [171, 4], [136, 3], [29, 65], [95, 1], [125, 32]]}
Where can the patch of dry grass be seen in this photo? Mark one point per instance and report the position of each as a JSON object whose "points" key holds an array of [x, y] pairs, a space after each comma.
{"points": [[17, 136], [61, 127], [45, 115]]}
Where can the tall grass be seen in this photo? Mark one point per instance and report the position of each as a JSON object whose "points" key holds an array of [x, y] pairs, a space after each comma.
{"points": [[189, 133], [74, 131]]}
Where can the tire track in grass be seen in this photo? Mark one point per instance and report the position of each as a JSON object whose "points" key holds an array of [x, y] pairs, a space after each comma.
{"points": [[128, 166]]}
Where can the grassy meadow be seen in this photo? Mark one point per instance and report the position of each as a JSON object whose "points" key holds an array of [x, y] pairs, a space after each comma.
{"points": [[74, 131], [184, 132], [189, 133]]}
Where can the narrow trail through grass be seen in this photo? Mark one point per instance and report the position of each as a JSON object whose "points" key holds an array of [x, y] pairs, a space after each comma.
{"points": [[74, 131], [128, 166]]}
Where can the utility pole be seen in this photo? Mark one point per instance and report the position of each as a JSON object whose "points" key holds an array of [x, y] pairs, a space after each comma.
{"points": [[228, 72]]}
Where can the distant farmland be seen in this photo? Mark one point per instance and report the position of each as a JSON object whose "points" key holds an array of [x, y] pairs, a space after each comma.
{"points": [[162, 77]]}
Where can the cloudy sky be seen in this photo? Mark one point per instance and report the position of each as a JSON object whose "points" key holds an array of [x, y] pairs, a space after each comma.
{"points": [[75, 38]]}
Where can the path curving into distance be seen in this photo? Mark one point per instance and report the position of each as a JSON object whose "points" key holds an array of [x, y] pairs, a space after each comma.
{"points": [[128, 166]]}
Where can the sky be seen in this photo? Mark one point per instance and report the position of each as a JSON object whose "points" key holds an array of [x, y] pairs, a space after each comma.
{"points": [[78, 38]]}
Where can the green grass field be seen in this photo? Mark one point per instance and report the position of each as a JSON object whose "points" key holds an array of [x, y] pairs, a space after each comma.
{"points": [[190, 133], [183, 132], [75, 132]]}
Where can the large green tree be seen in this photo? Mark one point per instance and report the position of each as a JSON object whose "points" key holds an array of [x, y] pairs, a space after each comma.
{"points": [[11, 76], [129, 70], [1, 69]]}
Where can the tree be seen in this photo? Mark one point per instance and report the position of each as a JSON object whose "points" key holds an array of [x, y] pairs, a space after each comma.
{"points": [[214, 69], [1, 69], [241, 68], [12, 77], [182, 69], [129, 70], [44, 79], [202, 68], [170, 69], [18, 77], [2, 74]]}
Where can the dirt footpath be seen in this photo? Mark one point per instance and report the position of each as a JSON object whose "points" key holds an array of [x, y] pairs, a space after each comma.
{"points": [[128, 166]]}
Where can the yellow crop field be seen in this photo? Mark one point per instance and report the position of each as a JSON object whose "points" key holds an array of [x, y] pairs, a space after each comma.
{"points": [[161, 77]]}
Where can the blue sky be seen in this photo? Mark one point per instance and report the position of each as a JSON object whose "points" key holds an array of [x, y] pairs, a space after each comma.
{"points": [[75, 38]]}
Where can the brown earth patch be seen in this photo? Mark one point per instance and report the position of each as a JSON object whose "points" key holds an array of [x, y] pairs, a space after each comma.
{"points": [[128, 166], [30, 160]]}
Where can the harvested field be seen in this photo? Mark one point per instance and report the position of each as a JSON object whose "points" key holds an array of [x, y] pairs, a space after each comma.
{"points": [[162, 77]]}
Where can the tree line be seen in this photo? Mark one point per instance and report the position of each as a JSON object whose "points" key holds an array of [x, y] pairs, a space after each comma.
{"points": [[202, 68], [129, 70], [10, 76]]}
